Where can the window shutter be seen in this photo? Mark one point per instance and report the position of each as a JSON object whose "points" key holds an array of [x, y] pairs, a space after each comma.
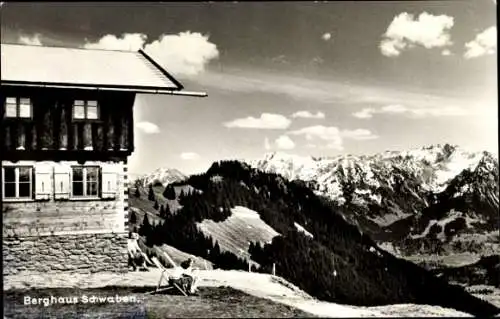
{"points": [[62, 181], [109, 180], [43, 183]]}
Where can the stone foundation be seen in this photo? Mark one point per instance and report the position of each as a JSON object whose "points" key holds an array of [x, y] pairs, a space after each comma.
{"points": [[87, 253]]}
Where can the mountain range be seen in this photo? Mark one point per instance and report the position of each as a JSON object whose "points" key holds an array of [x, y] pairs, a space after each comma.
{"points": [[431, 199], [326, 213]]}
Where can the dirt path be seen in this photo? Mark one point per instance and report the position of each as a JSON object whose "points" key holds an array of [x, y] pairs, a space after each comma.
{"points": [[259, 285]]}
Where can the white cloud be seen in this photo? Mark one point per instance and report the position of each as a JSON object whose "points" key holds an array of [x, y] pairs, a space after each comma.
{"points": [[485, 43], [365, 113], [127, 42], [265, 121], [280, 59], [446, 52], [189, 156], [33, 40], [358, 134], [326, 36], [284, 142], [394, 108], [412, 112], [148, 127], [309, 115], [267, 144], [331, 136], [405, 32], [186, 53]]}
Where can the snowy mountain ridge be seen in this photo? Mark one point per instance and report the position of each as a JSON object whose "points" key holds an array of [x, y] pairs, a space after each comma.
{"points": [[161, 175], [435, 166]]}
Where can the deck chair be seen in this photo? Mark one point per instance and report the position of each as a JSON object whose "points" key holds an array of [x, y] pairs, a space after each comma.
{"points": [[170, 283]]}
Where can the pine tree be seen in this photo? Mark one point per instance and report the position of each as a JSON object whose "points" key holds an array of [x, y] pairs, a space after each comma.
{"points": [[133, 218], [215, 252], [137, 193], [162, 211], [167, 210], [151, 194], [169, 192], [145, 229], [156, 206]]}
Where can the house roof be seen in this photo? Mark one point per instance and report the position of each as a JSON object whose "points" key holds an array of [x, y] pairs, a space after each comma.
{"points": [[83, 68]]}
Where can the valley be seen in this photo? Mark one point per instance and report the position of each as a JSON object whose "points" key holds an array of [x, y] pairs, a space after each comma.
{"points": [[391, 219]]}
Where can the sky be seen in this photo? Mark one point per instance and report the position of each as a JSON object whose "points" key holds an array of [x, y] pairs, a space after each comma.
{"points": [[313, 78]]}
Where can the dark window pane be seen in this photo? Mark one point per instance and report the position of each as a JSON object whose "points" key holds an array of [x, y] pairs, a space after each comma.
{"points": [[24, 190], [92, 174], [9, 174], [91, 189], [10, 190], [24, 174], [77, 189], [77, 174]]}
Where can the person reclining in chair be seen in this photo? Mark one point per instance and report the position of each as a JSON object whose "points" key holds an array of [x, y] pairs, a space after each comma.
{"points": [[184, 275]]}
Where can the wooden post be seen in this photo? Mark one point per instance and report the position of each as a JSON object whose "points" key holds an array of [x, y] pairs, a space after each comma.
{"points": [[34, 136], [8, 141], [274, 269], [47, 136], [63, 133], [75, 136], [21, 136], [249, 267], [205, 261], [99, 137], [124, 133], [87, 137], [111, 134]]}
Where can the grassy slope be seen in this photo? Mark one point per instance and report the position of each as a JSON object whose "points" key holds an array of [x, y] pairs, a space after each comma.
{"points": [[235, 233], [265, 286], [142, 206]]}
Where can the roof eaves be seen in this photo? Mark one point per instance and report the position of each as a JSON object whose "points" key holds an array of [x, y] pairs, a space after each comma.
{"points": [[94, 86], [136, 89], [162, 70]]}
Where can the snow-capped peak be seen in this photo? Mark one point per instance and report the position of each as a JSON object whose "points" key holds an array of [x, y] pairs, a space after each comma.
{"points": [[433, 165], [162, 175]]}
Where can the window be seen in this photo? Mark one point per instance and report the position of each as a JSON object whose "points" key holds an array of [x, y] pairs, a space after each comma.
{"points": [[18, 107], [85, 110], [17, 182], [85, 181]]}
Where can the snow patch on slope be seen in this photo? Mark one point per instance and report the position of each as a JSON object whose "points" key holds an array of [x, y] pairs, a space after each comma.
{"points": [[303, 230], [236, 232]]}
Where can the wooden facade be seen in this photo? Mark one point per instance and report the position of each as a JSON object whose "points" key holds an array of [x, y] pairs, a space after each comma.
{"points": [[53, 130], [53, 211]]}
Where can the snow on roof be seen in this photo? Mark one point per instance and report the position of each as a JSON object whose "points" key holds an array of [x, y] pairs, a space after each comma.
{"points": [[26, 64]]}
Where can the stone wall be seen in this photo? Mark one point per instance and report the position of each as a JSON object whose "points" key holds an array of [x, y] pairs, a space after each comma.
{"points": [[66, 253]]}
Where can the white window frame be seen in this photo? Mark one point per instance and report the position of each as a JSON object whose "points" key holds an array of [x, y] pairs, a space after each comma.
{"points": [[84, 182], [18, 108], [85, 105], [17, 198]]}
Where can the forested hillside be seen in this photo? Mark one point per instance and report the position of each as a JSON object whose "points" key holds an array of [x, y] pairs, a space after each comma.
{"points": [[340, 263]]}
